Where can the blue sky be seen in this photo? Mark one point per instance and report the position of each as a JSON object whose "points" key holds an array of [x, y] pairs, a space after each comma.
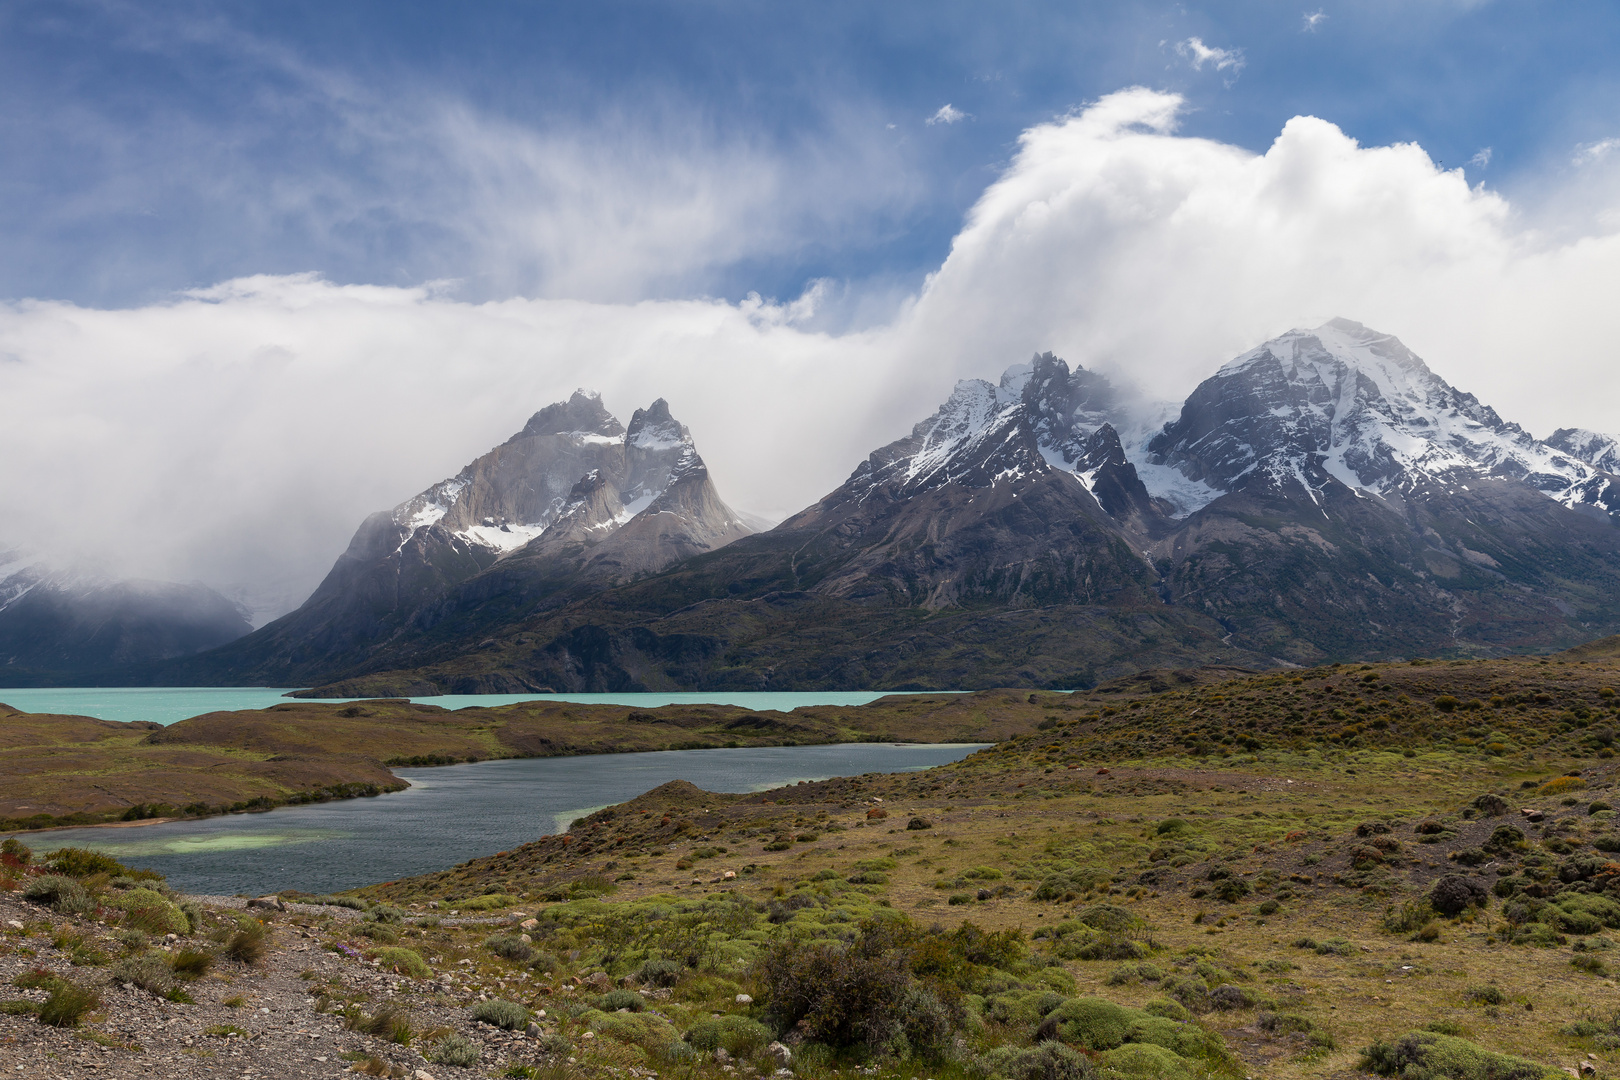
{"points": [[152, 147]]}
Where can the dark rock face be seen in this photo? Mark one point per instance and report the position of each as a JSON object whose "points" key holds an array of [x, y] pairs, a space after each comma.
{"points": [[55, 626]]}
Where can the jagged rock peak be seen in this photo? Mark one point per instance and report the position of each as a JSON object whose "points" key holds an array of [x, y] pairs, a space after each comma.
{"points": [[572, 460], [583, 413], [1040, 419], [653, 428]]}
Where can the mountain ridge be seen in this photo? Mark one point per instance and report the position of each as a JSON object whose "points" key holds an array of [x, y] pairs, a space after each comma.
{"points": [[1323, 496]]}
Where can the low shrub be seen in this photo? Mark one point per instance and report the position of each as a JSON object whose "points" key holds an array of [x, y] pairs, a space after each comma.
{"points": [[614, 1000], [1048, 1061], [249, 943], [660, 973], [856, 995], [151, 911], [1409, 917], [919, 823], [1454, 893], [1090, 1023], [68, 1004], [383, 913], [15, 853], [501, 1013], [82, 862], [489, 902], [404, 962], [1427, 1055], [455, 1050], [510, 947], [391, 1021], [736, 1035], [149, 971], [191, 963], [60, 893]]}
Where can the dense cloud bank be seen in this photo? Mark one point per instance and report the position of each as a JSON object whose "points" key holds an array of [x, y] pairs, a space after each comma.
{"points": [[236, 435]]}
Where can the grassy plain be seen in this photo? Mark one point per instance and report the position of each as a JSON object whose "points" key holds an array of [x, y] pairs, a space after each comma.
{"points": [[1282, 835]]}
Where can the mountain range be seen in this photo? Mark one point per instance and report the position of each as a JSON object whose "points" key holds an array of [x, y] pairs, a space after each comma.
{"points": [[1324, 496]]}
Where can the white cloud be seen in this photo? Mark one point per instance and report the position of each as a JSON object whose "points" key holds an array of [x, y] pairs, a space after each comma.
{"points": [[1313, 19], [1587, 153], [1482, 158], [1157, 256], [1198, 54], [947, 114], [244, 430]]}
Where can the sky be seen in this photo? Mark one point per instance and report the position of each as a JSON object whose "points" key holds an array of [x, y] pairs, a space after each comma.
{"points": [[265, 268]]}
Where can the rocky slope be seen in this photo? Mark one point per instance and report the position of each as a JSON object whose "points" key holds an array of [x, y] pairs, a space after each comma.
{"points": [[57, 625], [1323, 496], [573, 503]]}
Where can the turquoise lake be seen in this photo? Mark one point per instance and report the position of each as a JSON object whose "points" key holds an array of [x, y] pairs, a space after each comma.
{"points": [[457, 812], [167, 704]]}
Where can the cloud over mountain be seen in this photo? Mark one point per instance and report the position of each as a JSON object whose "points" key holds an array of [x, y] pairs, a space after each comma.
{"points": [[232, 434]]}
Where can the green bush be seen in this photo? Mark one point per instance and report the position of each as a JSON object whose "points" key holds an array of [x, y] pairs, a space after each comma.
{"points": [[405, 961], [502, 1014], [489, 902], [456, 1050], [248, 943], [661, 973], [82, 862], [1048, 1061], [1109, 919], [1170, 1010], [737, 1035], [1089, 1022], [191, 963], [1425, 1055], [1144, 1060], [383, 913], [149, 971], [61, 894], [391, 1021], [151, 911], [857, 995], [510, 947], [614, 1000]]}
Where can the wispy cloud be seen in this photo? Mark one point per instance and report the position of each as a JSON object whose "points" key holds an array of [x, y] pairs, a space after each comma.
{"points": [[947, 114], [1587, 153], [1482, 158], [1313, 19], [1198, 54]]}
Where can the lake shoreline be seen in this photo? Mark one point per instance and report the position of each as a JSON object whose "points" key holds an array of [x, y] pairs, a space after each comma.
{"points": [[73, 771]]}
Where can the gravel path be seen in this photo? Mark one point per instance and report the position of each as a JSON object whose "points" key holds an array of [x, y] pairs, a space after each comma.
{"points": [[273, 1004]]}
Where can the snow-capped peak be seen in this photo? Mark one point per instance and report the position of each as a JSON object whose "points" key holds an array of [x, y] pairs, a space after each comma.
{"points": [[518, 491], [1350, 403], [1593, 447], [1038, 417]]}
